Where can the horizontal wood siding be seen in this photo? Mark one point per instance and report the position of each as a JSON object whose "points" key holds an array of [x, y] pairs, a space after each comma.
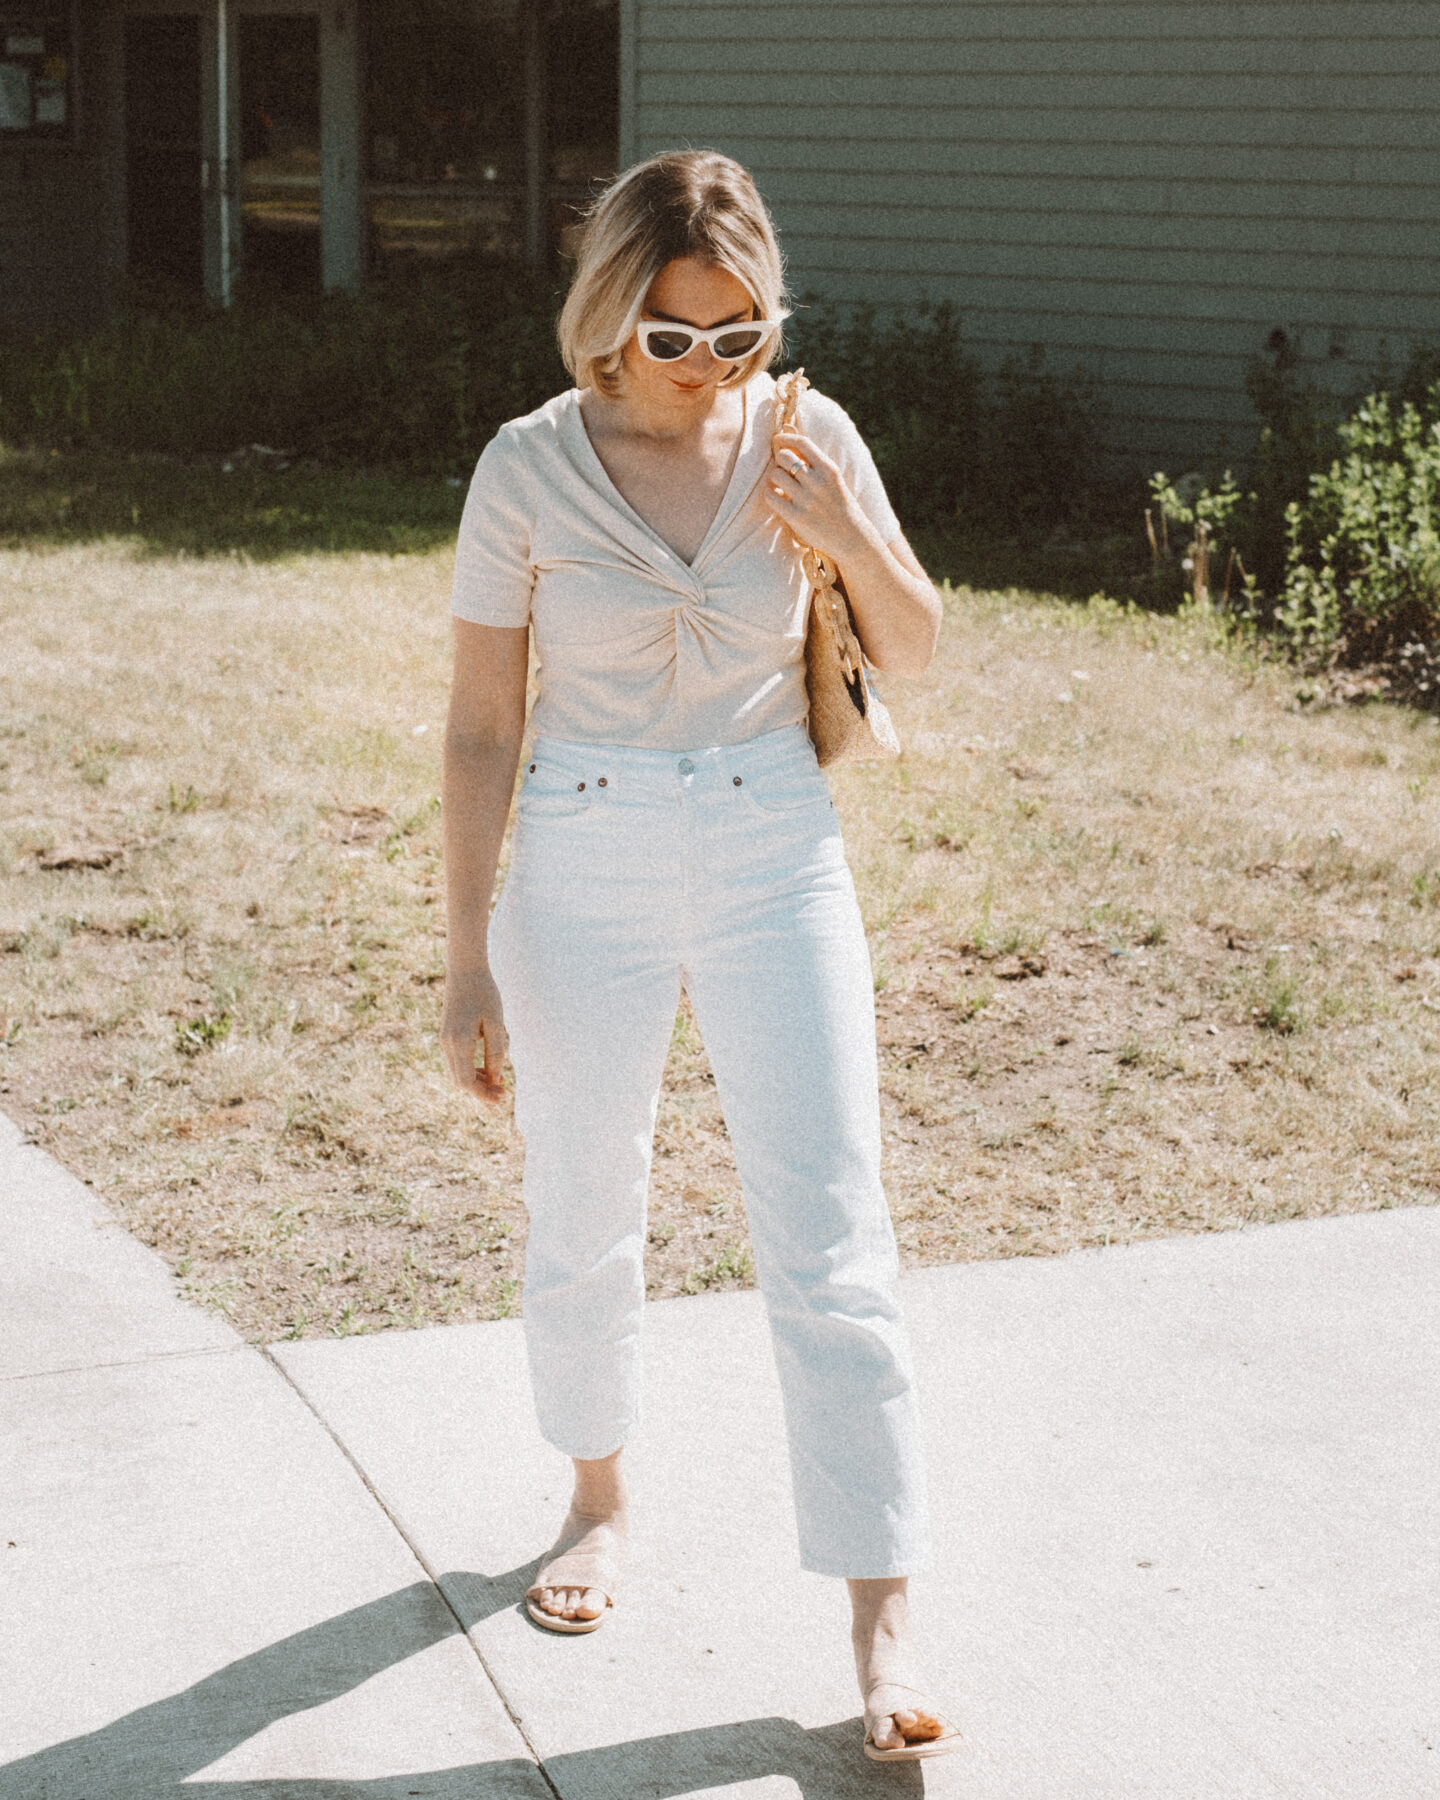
{"points": [[1147, 189]]}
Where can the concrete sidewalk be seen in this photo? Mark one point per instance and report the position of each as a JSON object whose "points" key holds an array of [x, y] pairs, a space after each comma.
{"points": [[1186, 1494]]}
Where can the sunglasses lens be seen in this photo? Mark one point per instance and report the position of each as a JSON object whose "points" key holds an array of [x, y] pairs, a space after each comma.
{"points": [[738, 343], [668, 346]]}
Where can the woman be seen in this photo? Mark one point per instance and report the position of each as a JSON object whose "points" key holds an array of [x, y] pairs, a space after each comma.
{"points": [[674, 829]]}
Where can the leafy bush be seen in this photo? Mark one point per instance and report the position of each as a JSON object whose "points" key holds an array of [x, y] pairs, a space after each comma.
{"points": [[1300, 422], [1244, 528], [910, 389], [398, 376], [1206, 519], [1015, 451], [1336, 524], [1363, 549], [416, 375]]}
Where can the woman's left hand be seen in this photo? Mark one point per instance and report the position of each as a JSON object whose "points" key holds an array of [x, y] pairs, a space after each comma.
{"points": [[808, 493]]}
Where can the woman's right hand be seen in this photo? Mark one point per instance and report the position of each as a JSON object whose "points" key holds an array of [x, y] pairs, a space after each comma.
{"points": [[473, 1013]]}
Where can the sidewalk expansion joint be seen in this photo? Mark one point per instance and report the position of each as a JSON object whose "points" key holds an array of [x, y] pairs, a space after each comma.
{"points": [[125, 1362], [431, 1574]]}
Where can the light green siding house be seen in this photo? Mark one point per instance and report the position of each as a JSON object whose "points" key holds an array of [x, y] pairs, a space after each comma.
{"points": [[1153, 190]]}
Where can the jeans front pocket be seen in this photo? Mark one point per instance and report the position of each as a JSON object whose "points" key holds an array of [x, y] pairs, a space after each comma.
{"points": [[787, 790], [550, 793]]}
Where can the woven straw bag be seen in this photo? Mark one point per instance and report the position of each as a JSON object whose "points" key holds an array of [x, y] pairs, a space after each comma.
{"points": [[848, 719]]}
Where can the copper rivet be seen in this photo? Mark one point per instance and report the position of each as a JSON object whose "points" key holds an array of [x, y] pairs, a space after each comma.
{"points": [[737, 781], [581, 788], [602, 782]]}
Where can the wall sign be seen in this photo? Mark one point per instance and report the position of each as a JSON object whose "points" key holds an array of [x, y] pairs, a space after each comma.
{"points": [[36, 74]]}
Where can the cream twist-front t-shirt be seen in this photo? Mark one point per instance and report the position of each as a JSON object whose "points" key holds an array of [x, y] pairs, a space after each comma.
{"points": [[636, 646]]}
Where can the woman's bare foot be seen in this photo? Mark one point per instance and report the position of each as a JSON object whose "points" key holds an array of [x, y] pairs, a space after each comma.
{"points": [[897, 1709], [594, 1530]]}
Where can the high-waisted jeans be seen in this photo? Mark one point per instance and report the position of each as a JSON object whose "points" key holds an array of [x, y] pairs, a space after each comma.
{"points": [[633, 872]]}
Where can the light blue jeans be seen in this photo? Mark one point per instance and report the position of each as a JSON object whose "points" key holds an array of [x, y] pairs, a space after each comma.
{"points": [[633, 872]]}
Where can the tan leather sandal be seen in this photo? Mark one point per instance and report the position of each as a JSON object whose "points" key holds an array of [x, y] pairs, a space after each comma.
{"points": [[565, 1565], [913, 1750]]}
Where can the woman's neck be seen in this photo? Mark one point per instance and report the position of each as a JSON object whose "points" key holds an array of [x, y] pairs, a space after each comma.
{"points": [[662, 417]]}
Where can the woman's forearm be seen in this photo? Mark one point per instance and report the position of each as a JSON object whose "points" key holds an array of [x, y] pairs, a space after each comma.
{"points": [[477, 784], [897, 612]]}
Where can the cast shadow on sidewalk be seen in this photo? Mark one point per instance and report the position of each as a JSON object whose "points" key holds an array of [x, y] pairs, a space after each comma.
{"points": [[155, 1752]]}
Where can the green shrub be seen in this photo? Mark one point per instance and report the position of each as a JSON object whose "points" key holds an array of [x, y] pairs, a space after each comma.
{"points": [[1363, 558], [1010, 452], [1334, 528], [1204, 522], [1244, 537], [910, 388], [417, 373], [1300, 423], [399, 376]]}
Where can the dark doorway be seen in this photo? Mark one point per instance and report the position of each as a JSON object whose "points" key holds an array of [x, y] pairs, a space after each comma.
{"points": [[280, 150], [164, 203]]}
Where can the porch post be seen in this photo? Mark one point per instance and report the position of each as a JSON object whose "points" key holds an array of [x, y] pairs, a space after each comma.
{"points": [[222, 148], [342, 222], [628, 123], [537, 246], [219, 138]]}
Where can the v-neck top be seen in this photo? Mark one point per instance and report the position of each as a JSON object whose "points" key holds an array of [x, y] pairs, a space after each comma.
{"points": [[635, 646]]}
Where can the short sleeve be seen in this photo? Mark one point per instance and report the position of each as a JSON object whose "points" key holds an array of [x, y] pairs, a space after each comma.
{"points": [[493, 572], [836, 433]]}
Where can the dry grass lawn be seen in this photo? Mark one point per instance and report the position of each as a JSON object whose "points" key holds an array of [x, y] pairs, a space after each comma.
{"points": [[1156, 948]]}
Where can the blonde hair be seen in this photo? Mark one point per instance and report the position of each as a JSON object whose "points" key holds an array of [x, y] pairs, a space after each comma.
{"points": [[683, 203]]}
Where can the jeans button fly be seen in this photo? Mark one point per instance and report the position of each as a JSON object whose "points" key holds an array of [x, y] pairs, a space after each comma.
{"points": [[686, 766]]}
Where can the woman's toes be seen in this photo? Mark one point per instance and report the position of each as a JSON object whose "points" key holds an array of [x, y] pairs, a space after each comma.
{"points": [[905, 1725], [885, 1735], [916, 1727], [573, 1603], [590, 1604]]}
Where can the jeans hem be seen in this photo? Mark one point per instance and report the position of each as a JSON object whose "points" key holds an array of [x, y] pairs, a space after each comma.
{"points": [[591, 1455], [884, 1569]]}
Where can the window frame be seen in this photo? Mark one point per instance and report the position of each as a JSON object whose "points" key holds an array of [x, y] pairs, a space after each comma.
{"points": [[67, 138]]}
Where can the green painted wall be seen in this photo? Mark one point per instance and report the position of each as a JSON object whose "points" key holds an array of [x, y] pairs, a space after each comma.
{"points": [[1150, 189]]}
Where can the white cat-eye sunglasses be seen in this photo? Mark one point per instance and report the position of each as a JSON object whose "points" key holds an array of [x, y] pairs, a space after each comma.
{"points": [[663, 342]]}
